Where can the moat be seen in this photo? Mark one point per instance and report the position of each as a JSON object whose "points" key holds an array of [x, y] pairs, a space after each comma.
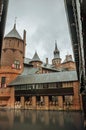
{"points": [[40, 120]]}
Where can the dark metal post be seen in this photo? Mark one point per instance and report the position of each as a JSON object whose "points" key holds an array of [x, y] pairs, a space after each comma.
{"points": [[3, 14]]}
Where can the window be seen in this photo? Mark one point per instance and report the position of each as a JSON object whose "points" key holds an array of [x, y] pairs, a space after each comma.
{"points": [[68, 100], [59, 85], [45, 86], [17, 64], [54, 98], [23, 87], [28, 86], [37, 86], [3, 82]]}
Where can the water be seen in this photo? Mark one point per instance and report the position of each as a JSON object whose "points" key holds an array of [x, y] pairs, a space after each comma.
{"points": [[40, 120]]}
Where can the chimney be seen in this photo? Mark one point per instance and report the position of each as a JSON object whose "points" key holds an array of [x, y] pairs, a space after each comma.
{"points": [[46, 60], [24, 39], [24, 36], [68, 57]]}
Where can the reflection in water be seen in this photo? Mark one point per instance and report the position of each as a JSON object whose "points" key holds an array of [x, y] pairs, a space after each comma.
{"points": [[40, 120]]}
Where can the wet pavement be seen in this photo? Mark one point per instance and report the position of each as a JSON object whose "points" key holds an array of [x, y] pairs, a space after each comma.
{"points": [[40, 120]]}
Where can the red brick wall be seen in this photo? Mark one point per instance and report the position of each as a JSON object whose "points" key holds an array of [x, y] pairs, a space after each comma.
{"points": [[7, 93], [56, 62], [36, 64], [12, 50], [68, 65], [77, 97], [9, 73]]}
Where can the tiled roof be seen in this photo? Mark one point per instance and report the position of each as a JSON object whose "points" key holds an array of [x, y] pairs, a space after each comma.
{"points": [[49, 67], [44, 65], [27, 60], [29, 70], [14, 34], [64, 76], [36, 57]]}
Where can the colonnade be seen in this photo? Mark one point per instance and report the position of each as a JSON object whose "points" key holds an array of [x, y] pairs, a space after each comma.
{"points": [[44, 103]]}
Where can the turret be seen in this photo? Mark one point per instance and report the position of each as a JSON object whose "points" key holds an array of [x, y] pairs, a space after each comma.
{"points": [[13, 49], [68, 63], [36, 62], [56, 61], [56, 51]]}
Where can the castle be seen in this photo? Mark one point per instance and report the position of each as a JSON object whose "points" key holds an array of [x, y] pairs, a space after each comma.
{"points": [[31, 84]]}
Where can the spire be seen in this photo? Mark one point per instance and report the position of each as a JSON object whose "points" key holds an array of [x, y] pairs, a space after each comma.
{"points": [[56, 51], [56, 45], [14, 33], [14, 26], [36, 57], [15, 23]]}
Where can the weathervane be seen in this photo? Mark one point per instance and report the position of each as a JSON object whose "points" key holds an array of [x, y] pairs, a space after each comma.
{"points": [[15, 22], [15, 19]]}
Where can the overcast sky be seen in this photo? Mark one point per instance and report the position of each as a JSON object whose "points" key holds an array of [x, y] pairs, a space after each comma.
{"points": [[45, 21]]}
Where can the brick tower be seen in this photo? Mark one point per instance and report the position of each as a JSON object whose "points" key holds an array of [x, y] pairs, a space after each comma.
{"points": [[68, 63], [36, 62], [12, 59], [13, 49]]}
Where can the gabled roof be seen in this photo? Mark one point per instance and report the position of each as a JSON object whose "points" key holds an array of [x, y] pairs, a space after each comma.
{"points": [[13, 33], [35, 58], [66, 76]]}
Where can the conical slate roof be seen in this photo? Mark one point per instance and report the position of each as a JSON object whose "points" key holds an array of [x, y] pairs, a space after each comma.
{"points": [[36, 57], [13, 33], [56, 49]]}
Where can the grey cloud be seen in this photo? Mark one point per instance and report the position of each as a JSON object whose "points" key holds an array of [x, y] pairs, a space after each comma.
{"points": [[45, 22]]}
